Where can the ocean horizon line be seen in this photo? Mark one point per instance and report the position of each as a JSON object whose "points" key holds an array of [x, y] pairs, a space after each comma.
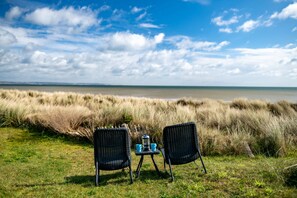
{"points": [[58, 84]]}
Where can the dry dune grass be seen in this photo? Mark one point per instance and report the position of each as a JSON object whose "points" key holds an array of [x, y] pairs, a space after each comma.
{"points": [[224, 127]]}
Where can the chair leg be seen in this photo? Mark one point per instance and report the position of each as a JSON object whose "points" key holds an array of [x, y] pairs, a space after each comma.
{"points": [[202, 162], [171, 174], [131, 177], [163, 154], [97, 175]]}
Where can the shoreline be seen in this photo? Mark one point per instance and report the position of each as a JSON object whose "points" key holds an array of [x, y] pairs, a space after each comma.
{"points": [[226, 94]]}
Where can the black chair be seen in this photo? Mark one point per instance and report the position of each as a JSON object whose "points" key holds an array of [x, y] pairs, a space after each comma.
{"points": [[181, 145], [112, 150]]}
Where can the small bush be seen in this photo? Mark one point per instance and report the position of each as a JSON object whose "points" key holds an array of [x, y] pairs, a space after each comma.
{"points": [[127, 118], [271, 145], [12, 113]]}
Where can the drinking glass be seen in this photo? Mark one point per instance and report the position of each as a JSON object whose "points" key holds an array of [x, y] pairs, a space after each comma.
{"points": [[153, 146]]}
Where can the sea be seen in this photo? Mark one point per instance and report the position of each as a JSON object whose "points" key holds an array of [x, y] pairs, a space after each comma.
{"points": [[271, 94]]}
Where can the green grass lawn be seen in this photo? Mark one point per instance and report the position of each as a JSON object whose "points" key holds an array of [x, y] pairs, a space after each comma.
{"points": [[44, 165]]}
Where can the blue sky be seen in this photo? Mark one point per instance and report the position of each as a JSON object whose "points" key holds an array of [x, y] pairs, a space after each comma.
{"points": [[149, 42]]}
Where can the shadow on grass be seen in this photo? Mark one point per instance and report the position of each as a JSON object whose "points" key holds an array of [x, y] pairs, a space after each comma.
{"points": [[85, 180], [108, 178], [152, 175], [40, 185], [39, 133], [115, 178]]}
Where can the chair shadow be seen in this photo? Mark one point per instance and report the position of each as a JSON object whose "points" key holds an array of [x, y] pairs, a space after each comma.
{"points": [[152, 175], [108, 178], [85, 180], [120, 177], [42, 184]]}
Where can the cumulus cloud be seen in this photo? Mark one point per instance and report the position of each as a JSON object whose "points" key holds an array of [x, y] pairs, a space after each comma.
{"points": [[159, 38], [136, 9], [293, 73], [225, 30], [248, 26], [6, 37], [224, 21], [243, 66], [289, 12], [135, 58], [82, 18], [13, 13], [234, 71], [186, 43], [148, 25], [129, 41], [220, 22]]}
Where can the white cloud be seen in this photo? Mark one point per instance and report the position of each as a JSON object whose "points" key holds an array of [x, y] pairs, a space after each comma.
{"points": [[267, 23], [289, 12], [104, 8], [220, 22], [117, 15], [234, 71], [203, 2], [141, 16], [241, 66], [129, 41], [6, 37], [294, 29], [148, 25], [279, 1], [293, 73], [13, 13], [248, 26], [290, 45], [82, 18], [159, 38], [136, 9], [130, 58], [186, 43], [39, 57], [226, 30]]}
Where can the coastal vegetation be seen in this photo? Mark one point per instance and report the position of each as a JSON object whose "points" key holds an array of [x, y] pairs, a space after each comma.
{"points": [[238, 127]]}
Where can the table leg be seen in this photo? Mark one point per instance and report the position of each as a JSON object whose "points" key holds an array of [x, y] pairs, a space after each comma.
{"points": [[139, 166], [156, 167]]}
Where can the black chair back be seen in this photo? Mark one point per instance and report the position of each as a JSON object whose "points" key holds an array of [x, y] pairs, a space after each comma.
{"points": [[112, 148], [180, 143]]}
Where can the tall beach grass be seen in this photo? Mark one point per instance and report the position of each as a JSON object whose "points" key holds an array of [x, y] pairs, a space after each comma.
{"points": [[224, 127]]}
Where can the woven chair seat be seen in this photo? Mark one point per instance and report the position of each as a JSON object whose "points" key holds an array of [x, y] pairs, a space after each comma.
{"points": [[183, 159], [114, 164]]}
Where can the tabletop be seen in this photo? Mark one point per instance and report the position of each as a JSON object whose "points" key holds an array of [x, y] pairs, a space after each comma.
{"points": [[149, 152]]}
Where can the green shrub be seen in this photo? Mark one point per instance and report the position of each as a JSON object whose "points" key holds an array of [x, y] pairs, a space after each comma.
{"points": [[270, 145], [127, 118]]}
